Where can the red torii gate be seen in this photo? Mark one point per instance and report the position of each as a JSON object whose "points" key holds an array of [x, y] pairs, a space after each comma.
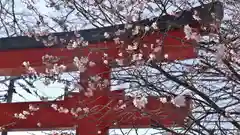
{"points": [[102, 114]]}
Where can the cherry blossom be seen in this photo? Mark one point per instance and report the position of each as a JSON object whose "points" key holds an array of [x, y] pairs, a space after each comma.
{"points": [[105, 62], [166, 56], [190, 34], [88, 93], [154, 26], [30, 70], [106, 35], [163, 99], [39, 124], [86, 110], [196, 16], [20, 116], [33, 108], [140, 103], [180, 100], [188, 31], [92, 64], [54, 106], [80, 63]]}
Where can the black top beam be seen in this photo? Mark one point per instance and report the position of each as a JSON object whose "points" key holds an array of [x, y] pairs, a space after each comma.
{"points": [[97, 35]]}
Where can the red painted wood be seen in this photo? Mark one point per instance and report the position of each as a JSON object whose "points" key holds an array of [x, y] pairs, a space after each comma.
{"points": [[103, 100], [166, 114], [175, 48], [103, 113]]}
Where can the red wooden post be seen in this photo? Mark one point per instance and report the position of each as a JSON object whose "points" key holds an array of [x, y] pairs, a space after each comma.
{"points": [[89, 125]]}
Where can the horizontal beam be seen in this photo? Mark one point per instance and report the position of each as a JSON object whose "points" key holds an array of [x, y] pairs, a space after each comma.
{"points": [[175, 48], [102, 113], [97, 34]]}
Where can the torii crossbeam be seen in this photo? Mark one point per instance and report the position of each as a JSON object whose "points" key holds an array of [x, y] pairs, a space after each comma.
{"points": [[103, 113]]}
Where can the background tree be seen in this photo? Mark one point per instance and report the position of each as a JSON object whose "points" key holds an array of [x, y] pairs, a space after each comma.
{"points": [[212, 79]]}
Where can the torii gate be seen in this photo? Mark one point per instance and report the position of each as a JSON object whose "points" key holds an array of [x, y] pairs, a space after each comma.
{"points": [[104, 112]]}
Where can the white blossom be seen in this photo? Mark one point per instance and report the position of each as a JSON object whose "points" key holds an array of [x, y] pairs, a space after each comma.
{"points": [[196, 16], [117, 40], [92, 64], [152, 56], [79, 109], [140, 103], [136, 30], [33, 108], [88, 93], [74, 44], [180, 100], [20, 116], [96, 78], [26, 63], [154, 26], [56, 69], [131, 48], [86, 110], [106, 35], [120, 54], [163, 99], [157, 49], [85, 43], [123, 106], [73, 112], [187, 31], [146, 28], [105, 62], [137, 57], [189, 34], [105, 55], [80, 63], [26, 113], [30, 70], [166, 56], [54, 106], [128, 26], [39, 124], [106, 82], [65, 110]]}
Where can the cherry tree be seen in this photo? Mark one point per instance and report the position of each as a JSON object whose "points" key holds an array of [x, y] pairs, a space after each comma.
{"points": [[211, 80]]}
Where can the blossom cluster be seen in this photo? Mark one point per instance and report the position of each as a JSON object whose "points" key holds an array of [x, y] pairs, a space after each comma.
{"points": [[55, 70], [191, 34], [73, 111], [24, 114], [120, 105], [30, 70], [49, 59], [81, 63], [178, 101], [140, 102]]}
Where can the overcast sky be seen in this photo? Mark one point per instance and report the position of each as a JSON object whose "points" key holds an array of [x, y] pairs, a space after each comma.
{"points": [[55, 90]]}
